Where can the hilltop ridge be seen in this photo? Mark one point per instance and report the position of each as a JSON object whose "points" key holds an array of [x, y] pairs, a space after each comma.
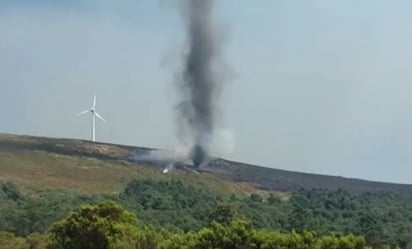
{"points": [[253, 176]]}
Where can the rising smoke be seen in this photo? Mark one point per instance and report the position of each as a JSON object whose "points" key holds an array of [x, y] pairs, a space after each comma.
{"points": [[199, 85]]}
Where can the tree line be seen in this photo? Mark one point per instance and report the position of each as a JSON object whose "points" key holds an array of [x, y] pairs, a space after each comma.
{"points": [[177, 211], [109, 226]]}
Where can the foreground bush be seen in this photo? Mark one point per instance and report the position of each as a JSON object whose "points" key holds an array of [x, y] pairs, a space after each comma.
{"points": [[106, 225], [109, 226], [33, 241], [240, 235]]}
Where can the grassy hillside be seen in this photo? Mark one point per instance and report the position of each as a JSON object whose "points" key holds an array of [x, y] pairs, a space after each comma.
{"points": [[87, 167], [98, 167]]}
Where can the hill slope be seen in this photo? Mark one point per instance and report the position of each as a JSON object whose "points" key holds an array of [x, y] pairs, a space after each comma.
{"points": [[66, 163], [36, 163]]}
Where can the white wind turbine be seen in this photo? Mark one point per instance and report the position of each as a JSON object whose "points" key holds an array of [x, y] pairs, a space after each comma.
{"points": [[94, 114]]}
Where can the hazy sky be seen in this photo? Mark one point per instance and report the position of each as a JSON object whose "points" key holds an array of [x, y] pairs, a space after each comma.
{"points": [[314, 85]]}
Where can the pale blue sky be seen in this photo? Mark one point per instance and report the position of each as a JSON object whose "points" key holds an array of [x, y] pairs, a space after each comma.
{"points": [[317, 86]]}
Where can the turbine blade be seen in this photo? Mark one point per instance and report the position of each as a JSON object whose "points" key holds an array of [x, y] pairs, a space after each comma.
{"points": [[94, 101], [81, 113], [98, 115]]}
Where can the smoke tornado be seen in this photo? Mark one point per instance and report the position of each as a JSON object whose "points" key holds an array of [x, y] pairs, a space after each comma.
{"points": [[199, 82]]}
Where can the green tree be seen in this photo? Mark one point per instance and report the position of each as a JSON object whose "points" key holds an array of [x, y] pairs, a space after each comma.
{"points": [[150, 238], [236, 235], [222, 213], [38, 241], [103, 226], [11, 191], [10, 241]]}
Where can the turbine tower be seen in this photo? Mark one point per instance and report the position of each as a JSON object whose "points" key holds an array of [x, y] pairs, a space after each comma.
{"points": [[94, 115]]}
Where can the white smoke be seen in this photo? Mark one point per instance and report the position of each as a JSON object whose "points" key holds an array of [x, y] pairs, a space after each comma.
{"points": [[170, 167], [223, 142], [180, 155]]}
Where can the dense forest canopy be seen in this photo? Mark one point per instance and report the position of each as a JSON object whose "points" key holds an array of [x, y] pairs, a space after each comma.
{"points": [[175, 207]]}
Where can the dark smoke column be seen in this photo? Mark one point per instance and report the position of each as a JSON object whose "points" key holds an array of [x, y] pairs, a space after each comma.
{"points": [[199, 86]]}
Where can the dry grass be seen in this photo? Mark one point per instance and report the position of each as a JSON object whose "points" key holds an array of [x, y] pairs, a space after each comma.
{"points": [[98, 167], [35, 168], [64, 172]]}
